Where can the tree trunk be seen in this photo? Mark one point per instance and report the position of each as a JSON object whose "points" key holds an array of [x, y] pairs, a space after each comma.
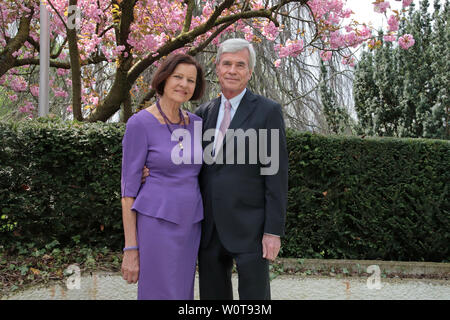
{"points": [[7, 60], [76, 69], [127, 111]]}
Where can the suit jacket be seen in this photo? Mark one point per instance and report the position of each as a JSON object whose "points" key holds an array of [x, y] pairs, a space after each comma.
{"points": [[242, 203]]}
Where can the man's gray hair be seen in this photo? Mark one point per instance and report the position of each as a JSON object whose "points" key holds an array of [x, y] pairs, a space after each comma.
{"points": [[235, 45]]}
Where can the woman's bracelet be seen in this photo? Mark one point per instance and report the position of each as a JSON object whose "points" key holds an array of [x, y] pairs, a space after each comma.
{"points": [[130, 248]]}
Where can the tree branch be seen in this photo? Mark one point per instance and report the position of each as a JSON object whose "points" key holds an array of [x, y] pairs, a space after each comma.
{"points": [[7, 60], [189, 12]]}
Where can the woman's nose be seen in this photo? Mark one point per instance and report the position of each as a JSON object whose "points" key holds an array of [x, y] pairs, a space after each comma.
{"points": [[183, 82]]}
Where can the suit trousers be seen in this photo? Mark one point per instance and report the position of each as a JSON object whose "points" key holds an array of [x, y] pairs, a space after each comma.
{"points": [[215, 265]]}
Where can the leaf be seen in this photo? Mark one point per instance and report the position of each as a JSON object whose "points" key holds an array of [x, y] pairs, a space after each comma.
{"points": [[35, 271]]}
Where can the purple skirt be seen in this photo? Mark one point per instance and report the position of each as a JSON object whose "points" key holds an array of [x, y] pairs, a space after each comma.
{"points": [[167, 258]]}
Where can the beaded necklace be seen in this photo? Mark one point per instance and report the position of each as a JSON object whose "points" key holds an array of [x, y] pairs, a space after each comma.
{"points": [[167, 121]]}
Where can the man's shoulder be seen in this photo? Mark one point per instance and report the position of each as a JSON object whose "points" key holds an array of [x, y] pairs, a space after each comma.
{"points": [[264, 101], [205, 107]]}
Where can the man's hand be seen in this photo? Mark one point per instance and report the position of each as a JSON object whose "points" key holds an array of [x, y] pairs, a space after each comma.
{"points": [[271, 246], [145, 174]]}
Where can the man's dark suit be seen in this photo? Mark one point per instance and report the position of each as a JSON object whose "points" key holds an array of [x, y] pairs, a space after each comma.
{"points": [[240, 204]]}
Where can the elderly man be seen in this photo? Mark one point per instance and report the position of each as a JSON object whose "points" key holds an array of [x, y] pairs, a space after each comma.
{"points": [[244, 208]]}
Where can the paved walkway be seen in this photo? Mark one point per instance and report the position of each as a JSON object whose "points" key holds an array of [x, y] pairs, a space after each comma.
{"points": [[372, 284], [104, 286]]}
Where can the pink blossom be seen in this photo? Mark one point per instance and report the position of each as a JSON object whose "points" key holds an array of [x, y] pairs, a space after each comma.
{"points": [[389, 38], [62, 72], [27, 108], [118, 50], [337, 40], [406, 3], [406, 41], [18, 84], [292, 48], [277, 63], [13, 97], [94, 101], [326, 55], [207, 10], [270, 31], [365, 33], [248, 34], [381, 7], [393, 23], [16, 53], [348, 60], [34, 90], [60, 93]]}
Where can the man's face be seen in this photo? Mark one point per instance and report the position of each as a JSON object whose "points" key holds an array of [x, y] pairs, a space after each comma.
{"points": [[234, 72]]}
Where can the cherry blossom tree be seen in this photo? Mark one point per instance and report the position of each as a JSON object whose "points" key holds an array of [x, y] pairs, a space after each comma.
{"points": [[124, 38]]}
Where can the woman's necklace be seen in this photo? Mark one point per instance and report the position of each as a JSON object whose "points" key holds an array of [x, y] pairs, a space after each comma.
{"points": [[167, 121]]}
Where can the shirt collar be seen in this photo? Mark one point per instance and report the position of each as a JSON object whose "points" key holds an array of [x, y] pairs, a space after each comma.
{"points": [[235, 101]]}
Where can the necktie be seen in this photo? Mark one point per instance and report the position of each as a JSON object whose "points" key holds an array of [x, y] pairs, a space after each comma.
{"points": [[223, 126]]}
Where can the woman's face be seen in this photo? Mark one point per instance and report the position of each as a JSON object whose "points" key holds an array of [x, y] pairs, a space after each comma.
{"points": [[180, 85]]}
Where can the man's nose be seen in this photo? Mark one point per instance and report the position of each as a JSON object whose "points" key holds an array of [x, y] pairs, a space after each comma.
{"points": [[232, 69]]}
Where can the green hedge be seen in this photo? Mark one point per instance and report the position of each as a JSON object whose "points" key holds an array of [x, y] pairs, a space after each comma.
{"points": [[377, 198], [349, 198], [61, 182]]}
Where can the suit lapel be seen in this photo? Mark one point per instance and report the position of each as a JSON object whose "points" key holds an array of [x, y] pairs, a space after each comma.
{"points": [[246, 107]]}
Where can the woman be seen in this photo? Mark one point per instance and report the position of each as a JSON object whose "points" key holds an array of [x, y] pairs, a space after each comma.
{"points": [[161, 218]]}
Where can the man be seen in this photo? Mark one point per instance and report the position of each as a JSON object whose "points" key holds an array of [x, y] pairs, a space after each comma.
{"points": [[244, 210]]}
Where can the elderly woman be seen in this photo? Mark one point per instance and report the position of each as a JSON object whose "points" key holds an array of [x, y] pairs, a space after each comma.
{"points": [[162, 217]]}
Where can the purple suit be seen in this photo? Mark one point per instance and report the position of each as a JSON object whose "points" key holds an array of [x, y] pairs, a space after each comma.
{"points": [[168, 205]]}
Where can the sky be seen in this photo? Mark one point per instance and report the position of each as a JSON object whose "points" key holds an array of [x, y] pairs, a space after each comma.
{"points": [[364, 12]]}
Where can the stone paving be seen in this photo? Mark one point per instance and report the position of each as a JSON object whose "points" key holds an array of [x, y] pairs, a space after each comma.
{"points": [[111, 286]]}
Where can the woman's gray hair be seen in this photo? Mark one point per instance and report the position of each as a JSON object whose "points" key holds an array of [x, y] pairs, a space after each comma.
{"points": [[235, 45]]}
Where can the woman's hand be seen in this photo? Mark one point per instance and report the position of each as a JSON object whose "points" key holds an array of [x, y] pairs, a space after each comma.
{"points": [[145, 174], [130, 266]]}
